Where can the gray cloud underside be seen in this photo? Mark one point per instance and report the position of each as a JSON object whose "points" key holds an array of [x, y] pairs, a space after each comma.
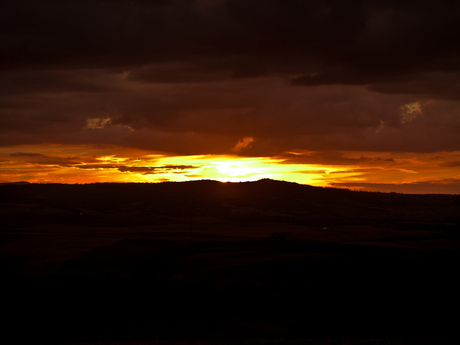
{"points": [[349, 42], [190, 77]]}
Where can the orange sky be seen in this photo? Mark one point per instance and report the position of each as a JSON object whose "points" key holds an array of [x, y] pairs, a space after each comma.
{"points": [[403, 172], [362, 95]]}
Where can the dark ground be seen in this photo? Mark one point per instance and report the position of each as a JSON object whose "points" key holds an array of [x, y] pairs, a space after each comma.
{"points": [[209, 261]]}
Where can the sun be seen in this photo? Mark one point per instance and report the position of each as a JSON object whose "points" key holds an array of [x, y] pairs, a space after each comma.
{"points": [[238, 168]]}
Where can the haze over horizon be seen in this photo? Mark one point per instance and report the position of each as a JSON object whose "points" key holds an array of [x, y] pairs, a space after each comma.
{"points": [[360, 94]]}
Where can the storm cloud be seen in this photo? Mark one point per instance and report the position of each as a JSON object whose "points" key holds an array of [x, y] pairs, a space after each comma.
{"points": [[187, 77]]}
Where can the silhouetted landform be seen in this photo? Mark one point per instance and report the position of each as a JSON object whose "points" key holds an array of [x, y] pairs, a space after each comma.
{"points": [[206, 260]]}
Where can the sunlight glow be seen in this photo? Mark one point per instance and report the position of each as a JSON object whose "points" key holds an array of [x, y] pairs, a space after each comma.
{"points": [[63, 165], [89, 164]]}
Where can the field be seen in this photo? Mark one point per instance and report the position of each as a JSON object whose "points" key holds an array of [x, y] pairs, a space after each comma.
{"points": [[208, 262]]}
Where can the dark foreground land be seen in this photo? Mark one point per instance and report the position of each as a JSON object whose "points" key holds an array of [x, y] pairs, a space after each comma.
{"points": [[207, 261]]}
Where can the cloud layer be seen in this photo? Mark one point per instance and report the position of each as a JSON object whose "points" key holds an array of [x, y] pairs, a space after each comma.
{"points": [[246, 77]]}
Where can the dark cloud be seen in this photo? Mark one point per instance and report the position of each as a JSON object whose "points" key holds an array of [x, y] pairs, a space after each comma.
{"points": [[156, 169], [378, 159], [365, 38], [453, 164], [205, 118], [334, 158], [327, 157], [436, 85], [96, 166], [196, 77], [310, 172], [56, 81], [137, 169], [26, 154], [41, 159]]}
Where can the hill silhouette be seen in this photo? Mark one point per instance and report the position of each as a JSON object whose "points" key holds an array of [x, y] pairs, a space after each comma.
{"points": [[210, 260]]}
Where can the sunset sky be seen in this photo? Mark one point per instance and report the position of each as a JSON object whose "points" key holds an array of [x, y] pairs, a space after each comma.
{"points": [[353, 94]]}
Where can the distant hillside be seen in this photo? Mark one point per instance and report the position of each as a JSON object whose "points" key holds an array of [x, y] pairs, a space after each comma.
{"points": [[19, 183], [264, 200], [206, 260]]}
